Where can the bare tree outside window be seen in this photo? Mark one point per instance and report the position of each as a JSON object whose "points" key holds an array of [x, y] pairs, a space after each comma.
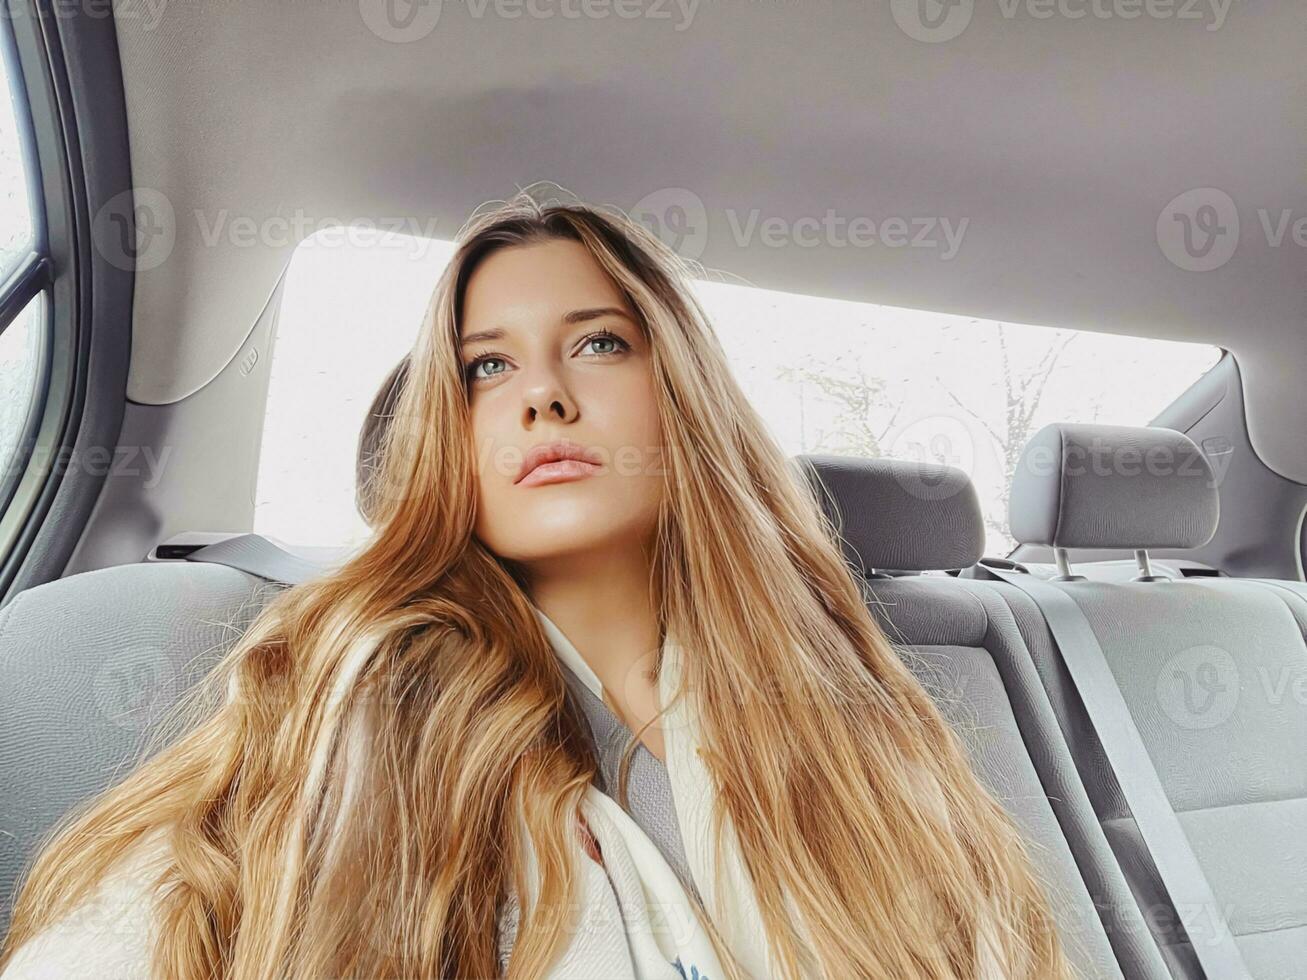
{"points": [[866, 409], [867, 413], [1019, 387]]}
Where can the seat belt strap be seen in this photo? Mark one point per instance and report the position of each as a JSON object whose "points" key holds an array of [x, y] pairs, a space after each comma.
{"points": [[1182, 876], [256, 555]]}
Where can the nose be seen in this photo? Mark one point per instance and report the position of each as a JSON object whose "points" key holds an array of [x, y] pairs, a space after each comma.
{"points": [[547, 397]]}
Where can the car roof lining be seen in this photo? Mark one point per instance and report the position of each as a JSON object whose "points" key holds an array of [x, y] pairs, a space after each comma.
{"points": [[1058, 140]]}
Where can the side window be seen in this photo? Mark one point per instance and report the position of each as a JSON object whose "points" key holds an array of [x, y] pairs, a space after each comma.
{"points": [[17, 221], [23, 275], [20, 359]]}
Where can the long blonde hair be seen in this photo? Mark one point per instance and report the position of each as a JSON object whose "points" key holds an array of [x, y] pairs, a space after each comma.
{"points": [[847, 790]]}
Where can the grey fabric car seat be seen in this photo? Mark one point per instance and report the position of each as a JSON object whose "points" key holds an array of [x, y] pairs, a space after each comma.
{"points": [[1213, 671], [899, 522], [90, 667]]}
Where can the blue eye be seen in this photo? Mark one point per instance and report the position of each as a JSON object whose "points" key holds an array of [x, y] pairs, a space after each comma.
{"points": [[473, 368], [605, 337], [614, 345]]}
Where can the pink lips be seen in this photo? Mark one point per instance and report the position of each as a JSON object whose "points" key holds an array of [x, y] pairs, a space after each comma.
{"points": [[557, 462]]}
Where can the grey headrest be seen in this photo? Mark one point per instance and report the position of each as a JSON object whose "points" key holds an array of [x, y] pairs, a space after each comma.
{"points": [[900, 515], [1113, 486], [374, 429]]}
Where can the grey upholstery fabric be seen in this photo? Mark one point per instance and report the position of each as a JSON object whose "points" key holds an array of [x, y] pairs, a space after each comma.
{"points": [[961, 640], [1212, 670], [897, 514], [89, 668], [1104, 486]]}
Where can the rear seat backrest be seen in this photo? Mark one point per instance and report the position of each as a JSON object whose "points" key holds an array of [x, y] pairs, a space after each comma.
{"points": [[1212, 670], [961, 641], [89, 668]]}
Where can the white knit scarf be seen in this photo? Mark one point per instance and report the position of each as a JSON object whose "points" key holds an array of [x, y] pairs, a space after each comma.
{"points": [[637, 921]]}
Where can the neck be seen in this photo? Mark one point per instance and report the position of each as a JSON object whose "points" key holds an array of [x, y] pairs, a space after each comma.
{"points": [[603, 603]]}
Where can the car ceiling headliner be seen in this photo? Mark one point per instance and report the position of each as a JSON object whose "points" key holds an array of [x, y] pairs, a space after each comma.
{"points": [[1060, 140]]}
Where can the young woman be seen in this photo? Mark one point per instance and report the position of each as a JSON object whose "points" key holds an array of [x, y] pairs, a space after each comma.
{"points": [[579, 522]]}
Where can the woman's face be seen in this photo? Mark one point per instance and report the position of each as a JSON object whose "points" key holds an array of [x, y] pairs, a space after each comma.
{"points": [[553, 355]]}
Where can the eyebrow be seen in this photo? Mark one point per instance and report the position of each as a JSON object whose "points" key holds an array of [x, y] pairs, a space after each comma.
{"points": [[576, 316]]}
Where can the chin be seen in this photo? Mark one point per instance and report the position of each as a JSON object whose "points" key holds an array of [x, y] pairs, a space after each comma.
{"points": [[543, 533]]}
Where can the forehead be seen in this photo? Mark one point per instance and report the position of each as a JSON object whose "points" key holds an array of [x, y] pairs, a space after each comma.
{"points": [[542, 279]]}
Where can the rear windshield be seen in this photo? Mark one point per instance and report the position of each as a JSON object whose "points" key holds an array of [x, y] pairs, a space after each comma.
{"points": [[828, 376]]}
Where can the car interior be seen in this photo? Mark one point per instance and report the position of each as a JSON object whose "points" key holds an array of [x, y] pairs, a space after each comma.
{"points": [[1126, 662]]}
